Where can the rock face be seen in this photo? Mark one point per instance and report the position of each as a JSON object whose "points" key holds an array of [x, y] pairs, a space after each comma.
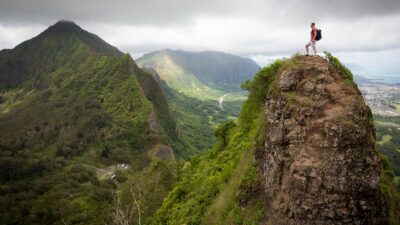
{"points": [[153, 121], [162, 151], [318, 164]]}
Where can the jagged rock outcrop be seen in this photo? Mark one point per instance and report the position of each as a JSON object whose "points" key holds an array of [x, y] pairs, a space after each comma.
{"points": [[319, 164]]}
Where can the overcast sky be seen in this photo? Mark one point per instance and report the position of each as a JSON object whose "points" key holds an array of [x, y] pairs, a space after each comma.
{"points": [[362, 32]]}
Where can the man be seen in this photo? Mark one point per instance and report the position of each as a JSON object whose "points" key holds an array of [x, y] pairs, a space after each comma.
{"points": [[312, 41]]}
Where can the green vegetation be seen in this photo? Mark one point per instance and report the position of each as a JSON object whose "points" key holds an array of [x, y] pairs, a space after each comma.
{"points": [[193, 84], [385, 139], [72, 107], [258, 92], [388, 189], [202, 181], [387, 131], [342, 70], [204, 73], [196, 119], [221, 184]]}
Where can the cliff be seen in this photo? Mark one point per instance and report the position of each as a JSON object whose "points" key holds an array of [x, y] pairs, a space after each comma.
{"points": [[318, 163], [302, 152]]}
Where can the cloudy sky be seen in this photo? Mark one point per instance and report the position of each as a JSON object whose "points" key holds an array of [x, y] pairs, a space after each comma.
{"points": [[362, 33]]}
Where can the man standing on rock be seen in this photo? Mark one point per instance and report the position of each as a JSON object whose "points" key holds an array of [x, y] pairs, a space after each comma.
{"points": [[313, 40]]}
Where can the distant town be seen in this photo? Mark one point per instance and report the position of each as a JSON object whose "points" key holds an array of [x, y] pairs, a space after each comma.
{"points": [[383, 98]]}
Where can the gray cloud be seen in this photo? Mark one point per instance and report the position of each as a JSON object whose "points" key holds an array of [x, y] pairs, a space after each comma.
{"points": [[358, 30], [162, 12]]}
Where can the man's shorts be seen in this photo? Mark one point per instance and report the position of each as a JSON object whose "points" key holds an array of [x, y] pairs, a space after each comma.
{"points": [[312, 43]]}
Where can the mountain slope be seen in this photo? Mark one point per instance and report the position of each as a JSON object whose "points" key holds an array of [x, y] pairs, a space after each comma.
{"points": [[195, 118], [200, 74], [302, 152], [74, 112], [203, 89], [47, 51]]}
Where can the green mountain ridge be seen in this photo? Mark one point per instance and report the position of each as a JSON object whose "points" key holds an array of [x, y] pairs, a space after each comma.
{"points": [[72, 108], [40, 54]]}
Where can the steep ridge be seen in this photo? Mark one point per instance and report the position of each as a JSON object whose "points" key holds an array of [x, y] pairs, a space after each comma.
{"points": [[72, 105], [302, 152]]}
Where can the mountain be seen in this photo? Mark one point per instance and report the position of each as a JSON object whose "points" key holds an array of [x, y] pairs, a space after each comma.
{"points": [[40, 54], [361, 79], [202, 88], [206, 74], [302, 152], [83, 129], [195, 118], [354, 67]]}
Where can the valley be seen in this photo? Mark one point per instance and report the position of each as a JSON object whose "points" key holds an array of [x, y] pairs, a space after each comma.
{"points": [[91, 136], [202, 88], [252, 162], [384, 99]]}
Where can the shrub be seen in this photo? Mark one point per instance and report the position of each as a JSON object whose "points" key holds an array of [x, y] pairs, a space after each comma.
{"points": [[342, 70]]}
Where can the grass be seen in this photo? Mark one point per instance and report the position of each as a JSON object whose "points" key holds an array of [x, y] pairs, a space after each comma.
{"points": [[388, 189], [208, 190], [342, 70], [219, 211]]}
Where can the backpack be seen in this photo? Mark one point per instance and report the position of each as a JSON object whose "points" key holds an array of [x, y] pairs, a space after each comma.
{"points": [[319, 35]]}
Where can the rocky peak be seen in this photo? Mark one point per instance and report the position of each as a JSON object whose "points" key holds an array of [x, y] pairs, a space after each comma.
{"points": [[319, 164], [64, 28]]}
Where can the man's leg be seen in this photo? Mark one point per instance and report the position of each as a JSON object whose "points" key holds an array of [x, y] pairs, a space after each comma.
{"points": [[313, 43], [315, 50], [307, 45]]}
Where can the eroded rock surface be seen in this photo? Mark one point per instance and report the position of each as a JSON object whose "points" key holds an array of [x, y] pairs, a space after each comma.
{"points": [[318, 164]]}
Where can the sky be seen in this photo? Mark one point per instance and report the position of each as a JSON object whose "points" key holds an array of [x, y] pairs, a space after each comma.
{"points": [[362, 33]]}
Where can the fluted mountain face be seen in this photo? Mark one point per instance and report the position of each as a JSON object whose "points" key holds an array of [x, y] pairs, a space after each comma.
{"points": [[73, 110], [319, 164], [302, 153]]}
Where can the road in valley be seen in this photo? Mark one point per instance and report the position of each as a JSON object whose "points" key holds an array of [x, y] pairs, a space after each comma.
{"points": [[221, 100]]}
